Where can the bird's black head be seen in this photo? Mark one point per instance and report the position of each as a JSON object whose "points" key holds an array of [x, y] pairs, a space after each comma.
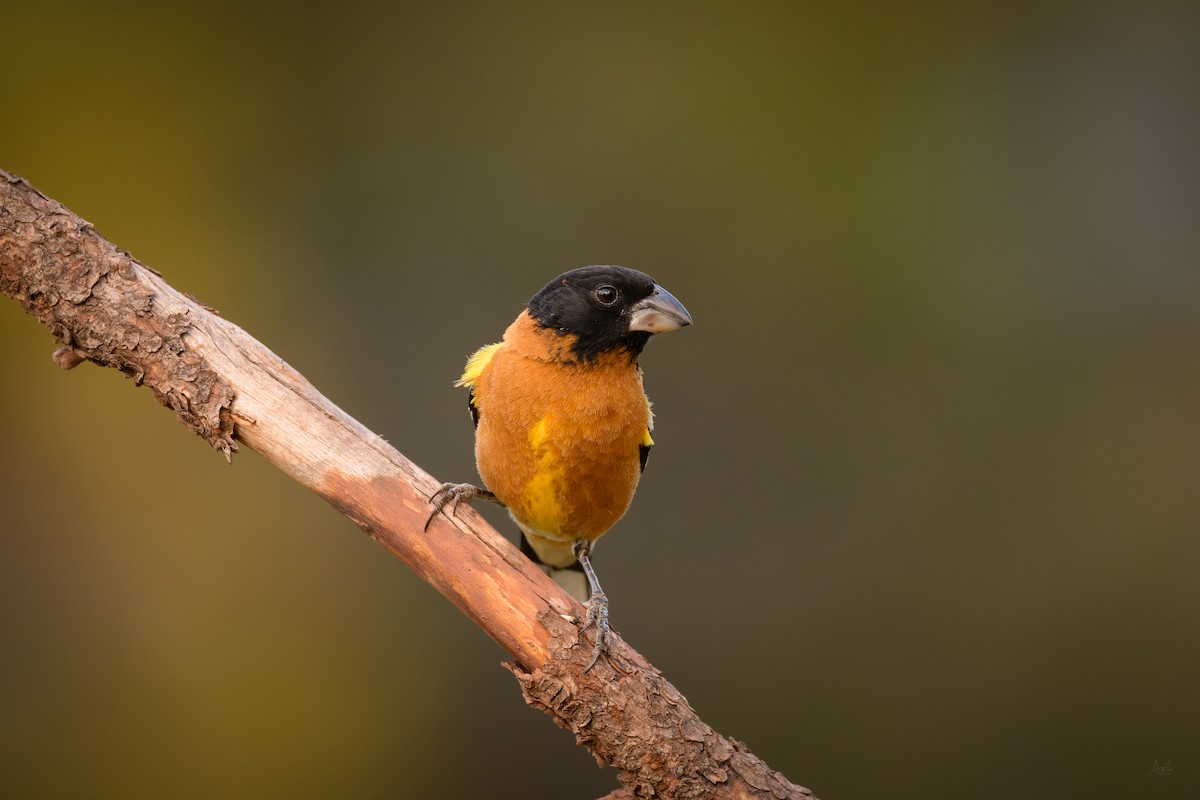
{"points": [[606, 309]]}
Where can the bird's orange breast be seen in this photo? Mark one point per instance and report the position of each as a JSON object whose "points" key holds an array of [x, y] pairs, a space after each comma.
{"points": [[557, 440]]}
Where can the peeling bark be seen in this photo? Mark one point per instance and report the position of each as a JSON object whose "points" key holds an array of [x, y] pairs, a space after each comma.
{"points": [[104, 306], [639, 723], [95, 300]]}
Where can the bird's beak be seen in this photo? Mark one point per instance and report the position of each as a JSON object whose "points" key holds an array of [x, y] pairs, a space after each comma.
{"points": [[658, 313]]}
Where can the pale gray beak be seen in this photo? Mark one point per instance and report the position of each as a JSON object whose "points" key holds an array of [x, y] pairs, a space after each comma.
{"points": [[658, 313]]}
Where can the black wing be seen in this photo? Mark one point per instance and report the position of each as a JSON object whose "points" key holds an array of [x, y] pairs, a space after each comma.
{"points": [[475, 414]]}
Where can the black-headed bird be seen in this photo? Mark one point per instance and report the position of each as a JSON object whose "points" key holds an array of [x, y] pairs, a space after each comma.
{"points": [[562, 423]]}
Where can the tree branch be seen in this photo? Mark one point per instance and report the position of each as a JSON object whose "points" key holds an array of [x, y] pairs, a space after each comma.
{"points": [[105, 307]]}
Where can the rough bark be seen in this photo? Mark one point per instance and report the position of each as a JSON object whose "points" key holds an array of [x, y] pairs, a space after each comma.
{"points": [[105, 307]]}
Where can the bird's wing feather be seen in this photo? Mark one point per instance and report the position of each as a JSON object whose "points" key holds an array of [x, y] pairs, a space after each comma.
{"points": [[475, 367], [647, 442]]}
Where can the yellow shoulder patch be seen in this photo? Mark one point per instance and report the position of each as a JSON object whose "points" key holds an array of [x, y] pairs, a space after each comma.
{"points": [[477, 363], [646, 440]]}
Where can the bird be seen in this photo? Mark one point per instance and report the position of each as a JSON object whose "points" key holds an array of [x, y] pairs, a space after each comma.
{"points": [[562, 422]]}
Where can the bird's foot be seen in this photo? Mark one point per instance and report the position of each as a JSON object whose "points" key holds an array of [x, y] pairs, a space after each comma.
{"points": [[454, 493], [597, 614]]}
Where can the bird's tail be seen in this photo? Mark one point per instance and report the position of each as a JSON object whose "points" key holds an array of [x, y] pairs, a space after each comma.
{"points": [[571, 578]]}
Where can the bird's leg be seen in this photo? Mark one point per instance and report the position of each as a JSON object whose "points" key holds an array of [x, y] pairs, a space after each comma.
{"points": [[456, 493], [597, 604]]}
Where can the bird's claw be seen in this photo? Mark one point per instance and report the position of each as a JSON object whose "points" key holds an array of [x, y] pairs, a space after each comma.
{"points": [[454, 493], [597, 614]]}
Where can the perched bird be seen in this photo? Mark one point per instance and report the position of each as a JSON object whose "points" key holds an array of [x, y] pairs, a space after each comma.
{"points": [[562, 424]]}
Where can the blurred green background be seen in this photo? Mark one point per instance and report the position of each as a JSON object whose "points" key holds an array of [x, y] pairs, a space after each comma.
{"points": [[922, 517]]}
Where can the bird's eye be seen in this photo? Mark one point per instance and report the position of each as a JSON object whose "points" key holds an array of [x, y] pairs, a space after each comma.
{"points": [[607, 295]]}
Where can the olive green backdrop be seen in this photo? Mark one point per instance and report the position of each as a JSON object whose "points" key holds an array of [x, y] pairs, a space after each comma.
{"points": [[922, 518]]}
